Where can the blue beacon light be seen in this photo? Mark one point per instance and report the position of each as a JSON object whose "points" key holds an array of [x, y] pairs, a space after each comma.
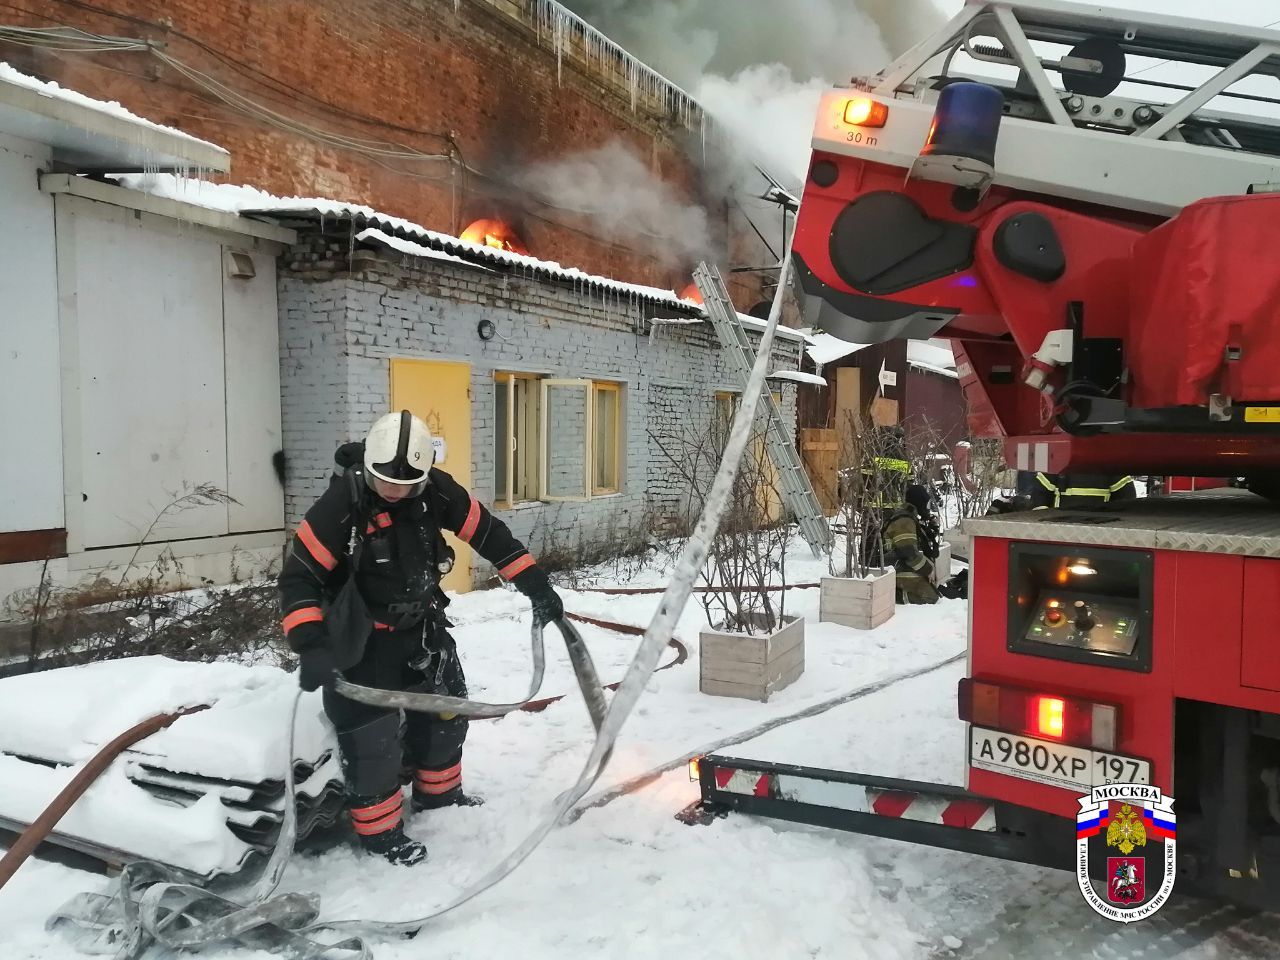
{"points": [[961, 146]]}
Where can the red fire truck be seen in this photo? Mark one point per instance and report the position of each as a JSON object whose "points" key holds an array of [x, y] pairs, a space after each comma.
{"points": [[1099, 246]]}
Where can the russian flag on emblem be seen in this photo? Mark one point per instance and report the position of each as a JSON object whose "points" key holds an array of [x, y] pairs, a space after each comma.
{"points": [[1160, 824], [1091, 822]]}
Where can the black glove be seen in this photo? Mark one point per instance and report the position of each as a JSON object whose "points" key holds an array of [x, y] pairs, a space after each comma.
{"points": [[955, 588], [547, 605], [315, 668]]}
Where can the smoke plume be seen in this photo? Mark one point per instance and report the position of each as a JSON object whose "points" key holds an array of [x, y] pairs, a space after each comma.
{"points": [[759, 66], [624, 199]]}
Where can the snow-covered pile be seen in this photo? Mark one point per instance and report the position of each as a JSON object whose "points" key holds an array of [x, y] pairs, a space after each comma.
{"points": [[52, 722]]}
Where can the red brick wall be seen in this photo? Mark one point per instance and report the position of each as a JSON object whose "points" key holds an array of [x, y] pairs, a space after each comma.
{"points": [[409, 72]]}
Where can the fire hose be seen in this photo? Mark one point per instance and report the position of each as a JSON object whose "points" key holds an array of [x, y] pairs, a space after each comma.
{"points": [[151, 906]]}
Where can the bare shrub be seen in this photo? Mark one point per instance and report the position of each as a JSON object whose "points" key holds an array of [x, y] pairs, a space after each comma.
{"points": [[869, 480], [579, 555], [748, 553], [982, 478], [157, 611]]}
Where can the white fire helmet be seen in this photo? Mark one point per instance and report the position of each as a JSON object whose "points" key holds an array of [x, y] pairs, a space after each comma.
{"points": [[398, 450]]}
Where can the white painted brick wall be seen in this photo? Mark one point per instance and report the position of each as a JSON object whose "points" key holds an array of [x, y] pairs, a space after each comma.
{"points": [[338, 332]]}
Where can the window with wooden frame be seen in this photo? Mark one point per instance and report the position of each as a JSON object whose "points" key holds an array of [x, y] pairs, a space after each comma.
{"points": [[606, 439], [517, 433], [726, 409], [556, 439]]}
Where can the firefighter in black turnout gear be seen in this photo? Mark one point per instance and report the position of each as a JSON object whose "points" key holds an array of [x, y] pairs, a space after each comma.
{"points": [[911, 541], [374, 539]]}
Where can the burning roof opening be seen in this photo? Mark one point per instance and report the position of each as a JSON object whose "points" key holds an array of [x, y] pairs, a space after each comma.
{"points": [[492, 232]]}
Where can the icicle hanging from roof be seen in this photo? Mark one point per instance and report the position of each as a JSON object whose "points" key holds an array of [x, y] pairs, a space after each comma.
{"points": [[562, 26]]}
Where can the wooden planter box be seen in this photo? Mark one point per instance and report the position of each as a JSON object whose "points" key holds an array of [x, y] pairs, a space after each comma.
{"points": [[736, 665], [858, 603]]}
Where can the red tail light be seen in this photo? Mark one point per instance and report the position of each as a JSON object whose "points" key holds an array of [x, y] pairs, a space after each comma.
{"points": [[1046, 716], [1050, 719]]}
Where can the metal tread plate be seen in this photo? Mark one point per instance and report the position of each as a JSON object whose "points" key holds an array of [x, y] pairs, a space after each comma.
{"points": [[1218, 521]]}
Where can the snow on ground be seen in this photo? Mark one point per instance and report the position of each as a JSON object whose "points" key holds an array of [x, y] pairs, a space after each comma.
{"points": [[627, 880], [918, 739]]}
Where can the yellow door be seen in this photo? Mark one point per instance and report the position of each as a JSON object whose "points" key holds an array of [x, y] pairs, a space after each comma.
{"points": [[756, 455], [771, 480], [439, 393]]}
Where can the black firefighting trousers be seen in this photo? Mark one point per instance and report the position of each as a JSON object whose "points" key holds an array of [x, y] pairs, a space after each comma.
{"points": [[374, 754]]}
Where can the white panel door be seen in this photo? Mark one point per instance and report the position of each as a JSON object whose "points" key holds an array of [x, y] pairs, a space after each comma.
{"points": [[152, 405], [253, 398], [30, 393]]}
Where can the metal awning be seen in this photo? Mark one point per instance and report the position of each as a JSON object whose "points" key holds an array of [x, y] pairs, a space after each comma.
{"points": [[87, 136]]}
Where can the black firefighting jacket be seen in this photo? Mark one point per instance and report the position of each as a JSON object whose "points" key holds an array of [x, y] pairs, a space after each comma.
{"points": [[902, 542], [402, 548], [1073, 491]]}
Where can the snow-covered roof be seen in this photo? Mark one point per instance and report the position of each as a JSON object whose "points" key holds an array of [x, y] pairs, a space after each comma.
{"points": [[799, 377], [755, 323], [415, 249], [97, 133], [824, 348], [404, 236], [748, 321], [932, 355], [254, 203]]}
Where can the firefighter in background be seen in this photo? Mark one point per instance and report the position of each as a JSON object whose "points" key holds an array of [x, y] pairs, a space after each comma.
{"points": [[906, 542], [1071, 491], [391, 501], [884, 483]]}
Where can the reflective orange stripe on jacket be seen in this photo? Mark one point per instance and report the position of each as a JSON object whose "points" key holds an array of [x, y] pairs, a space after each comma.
{"points": [[314, 547], [301, 616]]}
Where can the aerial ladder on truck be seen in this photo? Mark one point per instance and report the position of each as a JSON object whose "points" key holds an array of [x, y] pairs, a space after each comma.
{"points": [[1098, 246]]}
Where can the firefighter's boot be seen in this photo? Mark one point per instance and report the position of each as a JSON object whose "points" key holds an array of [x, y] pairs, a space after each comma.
{"points": [[434, 789], [379, 827], [394, 847]]}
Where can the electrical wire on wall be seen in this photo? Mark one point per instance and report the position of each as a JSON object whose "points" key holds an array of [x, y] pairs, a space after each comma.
{"points": [[377, 150], [390, 155], [70, 39]]}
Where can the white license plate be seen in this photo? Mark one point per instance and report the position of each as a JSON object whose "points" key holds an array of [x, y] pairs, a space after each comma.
{"points": [[1074, 768]]}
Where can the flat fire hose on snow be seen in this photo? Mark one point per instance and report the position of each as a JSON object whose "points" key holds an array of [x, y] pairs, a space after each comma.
{"points": [[151, 906]]}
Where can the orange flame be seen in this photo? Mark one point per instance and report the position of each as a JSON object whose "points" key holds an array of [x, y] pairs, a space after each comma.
{"points": [[495, 233], [691, 292]]}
